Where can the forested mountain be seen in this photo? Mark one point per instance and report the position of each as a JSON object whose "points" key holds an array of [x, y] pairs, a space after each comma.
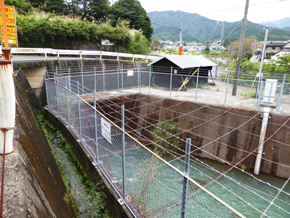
{"points": [[283, 23], [166, 26]]}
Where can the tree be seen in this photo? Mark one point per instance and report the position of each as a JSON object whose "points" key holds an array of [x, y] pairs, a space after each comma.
{"points": [[155, 43], [98, 9], [284, 62], [233, 48], [132, 11], [139, 44], [36, 3], [206, 50], [22, 7], [55, 6]]}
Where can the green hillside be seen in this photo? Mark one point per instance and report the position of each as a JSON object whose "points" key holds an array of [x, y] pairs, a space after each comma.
{"points": [[166, 26]]}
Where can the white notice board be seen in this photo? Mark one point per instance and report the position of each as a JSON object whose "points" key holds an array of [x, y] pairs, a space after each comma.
{"points": [[106, 129], [130, 72]]}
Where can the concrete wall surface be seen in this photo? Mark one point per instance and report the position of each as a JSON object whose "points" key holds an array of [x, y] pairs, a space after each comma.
{"points": [[231, 134], [33, 184]]}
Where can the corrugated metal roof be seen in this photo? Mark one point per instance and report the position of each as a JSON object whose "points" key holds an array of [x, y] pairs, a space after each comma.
{"points": [[189, 61]]}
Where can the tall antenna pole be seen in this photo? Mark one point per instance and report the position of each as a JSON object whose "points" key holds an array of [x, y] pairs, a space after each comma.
{"points": [[235, 86]]}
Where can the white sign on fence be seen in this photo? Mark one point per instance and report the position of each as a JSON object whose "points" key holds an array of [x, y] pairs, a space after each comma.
{"points": [[130, 72], [106, 129]]}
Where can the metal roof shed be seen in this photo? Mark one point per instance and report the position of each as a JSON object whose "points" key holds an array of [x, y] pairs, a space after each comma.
{"points": [[181, 66]]}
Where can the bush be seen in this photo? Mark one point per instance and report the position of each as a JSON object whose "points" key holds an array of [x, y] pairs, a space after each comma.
{"points": [[162, 134], [22, 7], [39, 29]]}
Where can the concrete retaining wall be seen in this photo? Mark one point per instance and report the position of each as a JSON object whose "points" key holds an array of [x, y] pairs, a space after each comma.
{"points": [[227, 133]]}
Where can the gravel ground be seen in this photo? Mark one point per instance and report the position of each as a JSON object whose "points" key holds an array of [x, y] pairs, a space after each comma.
{"points": [[215, 94]]}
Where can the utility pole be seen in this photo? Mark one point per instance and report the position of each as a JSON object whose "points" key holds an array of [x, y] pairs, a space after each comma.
{"points": [[235, 86], [180, 40]]}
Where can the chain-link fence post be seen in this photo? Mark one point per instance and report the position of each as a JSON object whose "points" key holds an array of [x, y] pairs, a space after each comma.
{"points": [[139, 78], [67, 102], [170, 85], [216, 70], [123, 152], [259, 83], [79, 107], [226, 95], [56, 92], [82, 72], [196, 84], [95, 78], [260, 92], [149, 78], [281, 93], [185, 180], [122, 71], [270, 94], [118, 80], [104, 88], [47, 95], [69, 84], [96, 127]]}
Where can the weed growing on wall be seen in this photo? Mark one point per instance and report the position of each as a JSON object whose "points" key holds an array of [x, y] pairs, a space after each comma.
{"points": [[163, 135], [87, 198]]}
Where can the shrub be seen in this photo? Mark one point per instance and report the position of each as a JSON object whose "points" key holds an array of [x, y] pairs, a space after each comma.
{"points": [[163, 135]]}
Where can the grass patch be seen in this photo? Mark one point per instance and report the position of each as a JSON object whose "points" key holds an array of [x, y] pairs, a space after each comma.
{"points": [[200, 85], [247, 95]]}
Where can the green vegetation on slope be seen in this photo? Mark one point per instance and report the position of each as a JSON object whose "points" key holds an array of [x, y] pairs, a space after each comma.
{"points": [[71, 24], [39, 29]]}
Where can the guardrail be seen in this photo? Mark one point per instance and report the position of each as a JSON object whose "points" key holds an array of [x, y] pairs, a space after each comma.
{"points": [[80, 53]]}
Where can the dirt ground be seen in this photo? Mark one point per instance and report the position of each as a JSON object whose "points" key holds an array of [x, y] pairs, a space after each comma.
{"points": [[216, 94]]}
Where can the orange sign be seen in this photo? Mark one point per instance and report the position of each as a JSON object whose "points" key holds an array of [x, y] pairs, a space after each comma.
{"points": [[11, 25], [180, 50]]}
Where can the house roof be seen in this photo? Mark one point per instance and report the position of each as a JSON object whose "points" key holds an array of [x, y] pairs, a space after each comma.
{"points": [[276, 44], [189, 61]]}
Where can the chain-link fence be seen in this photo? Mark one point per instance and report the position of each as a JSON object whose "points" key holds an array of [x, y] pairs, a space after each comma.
{"points": [[148, 184], [145, 182]]}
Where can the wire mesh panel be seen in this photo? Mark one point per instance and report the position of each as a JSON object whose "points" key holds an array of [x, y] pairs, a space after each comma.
{"points": [[51, 95], [129, 78]]}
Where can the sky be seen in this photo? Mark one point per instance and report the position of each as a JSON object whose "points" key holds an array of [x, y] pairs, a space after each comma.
{"points": [[224, 10]]}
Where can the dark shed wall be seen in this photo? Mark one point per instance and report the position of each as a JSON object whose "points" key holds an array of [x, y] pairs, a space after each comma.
{"points": [[162, 71]]}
